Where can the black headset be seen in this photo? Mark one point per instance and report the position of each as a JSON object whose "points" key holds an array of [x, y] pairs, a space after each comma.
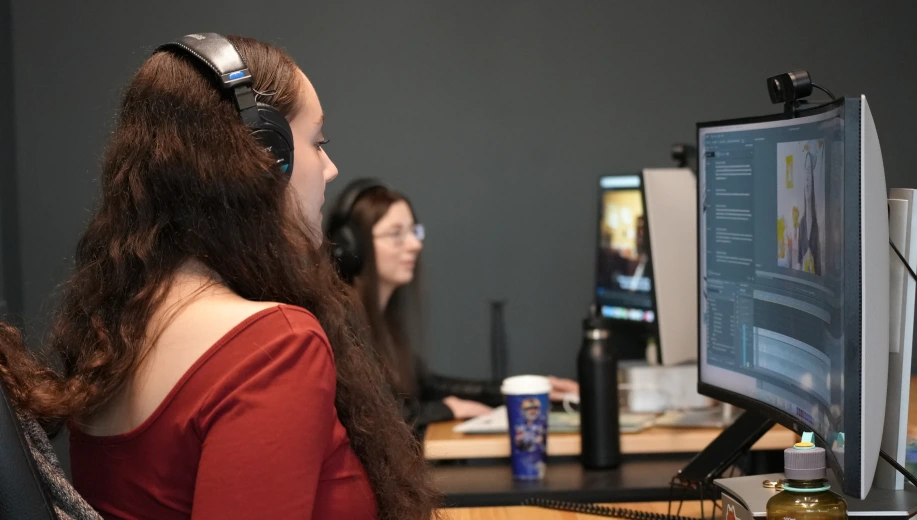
{"points": [[344, 237], [268, 126]]}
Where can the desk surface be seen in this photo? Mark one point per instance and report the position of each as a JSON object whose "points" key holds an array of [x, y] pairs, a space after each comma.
{"points": [[480, 484], [441, 443], [537, 513]]}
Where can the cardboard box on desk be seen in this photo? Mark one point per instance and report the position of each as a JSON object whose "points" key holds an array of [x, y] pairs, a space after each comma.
{"points": [[659, 388]]}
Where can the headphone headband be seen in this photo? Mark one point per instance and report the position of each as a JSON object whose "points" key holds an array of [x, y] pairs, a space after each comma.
{"points": [[228, 66], [349, 197], [218, 53], [268, 126]]}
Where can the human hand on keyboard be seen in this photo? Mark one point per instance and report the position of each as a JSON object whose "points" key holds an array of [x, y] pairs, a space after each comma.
{"points": [[561, 387], [465, 409]]}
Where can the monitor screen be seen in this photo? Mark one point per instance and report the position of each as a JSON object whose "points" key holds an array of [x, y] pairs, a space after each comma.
{"points": [[624, 282], [772, 259]]}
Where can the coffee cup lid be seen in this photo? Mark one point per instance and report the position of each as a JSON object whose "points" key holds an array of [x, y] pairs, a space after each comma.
{"points": [[526, 385]]}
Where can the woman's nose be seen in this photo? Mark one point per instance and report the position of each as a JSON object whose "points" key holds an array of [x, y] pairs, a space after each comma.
{"points": [[413, 243]]}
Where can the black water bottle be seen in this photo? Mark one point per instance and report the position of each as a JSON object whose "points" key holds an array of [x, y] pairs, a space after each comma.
{"points": [[597, 369]]}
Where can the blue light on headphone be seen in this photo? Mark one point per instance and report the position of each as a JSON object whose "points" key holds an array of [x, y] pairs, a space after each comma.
{"points": [[284, 167], [237, 74]]}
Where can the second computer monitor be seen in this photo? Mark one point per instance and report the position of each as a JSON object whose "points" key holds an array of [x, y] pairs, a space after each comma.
{"points": [[647, 258], [624, 281]]}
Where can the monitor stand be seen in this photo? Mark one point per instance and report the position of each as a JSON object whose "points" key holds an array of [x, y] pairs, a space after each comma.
{"points": [[747, 498], [735, 441]]}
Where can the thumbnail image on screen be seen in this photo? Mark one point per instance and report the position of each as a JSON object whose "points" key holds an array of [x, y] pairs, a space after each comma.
{"points": [[801, 205]]}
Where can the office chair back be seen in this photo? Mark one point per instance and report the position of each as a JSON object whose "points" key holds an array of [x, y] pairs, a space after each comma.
{"points": [[22, 494]]}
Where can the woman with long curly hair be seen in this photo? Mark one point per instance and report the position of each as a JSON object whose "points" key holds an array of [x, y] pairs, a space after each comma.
{"points": [[213, 364]]}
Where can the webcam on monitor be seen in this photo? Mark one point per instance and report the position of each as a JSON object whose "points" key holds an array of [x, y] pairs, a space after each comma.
{"points": [[789, 86]]}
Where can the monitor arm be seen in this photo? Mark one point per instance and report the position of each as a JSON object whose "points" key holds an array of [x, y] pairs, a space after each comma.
{"points": [[902, 235]]}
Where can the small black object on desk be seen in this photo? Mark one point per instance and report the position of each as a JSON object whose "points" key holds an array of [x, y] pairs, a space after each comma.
{"points": [[597, 371], [498, 347]]}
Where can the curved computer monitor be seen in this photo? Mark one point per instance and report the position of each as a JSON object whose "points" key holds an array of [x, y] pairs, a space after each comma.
{"points": [[794, 276]]}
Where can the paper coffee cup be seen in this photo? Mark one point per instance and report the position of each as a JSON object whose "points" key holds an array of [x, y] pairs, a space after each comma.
{"points": [[527, 405]]}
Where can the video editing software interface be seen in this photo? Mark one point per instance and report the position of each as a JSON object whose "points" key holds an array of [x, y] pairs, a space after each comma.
{"points": [[624, 283], [772, 264]]}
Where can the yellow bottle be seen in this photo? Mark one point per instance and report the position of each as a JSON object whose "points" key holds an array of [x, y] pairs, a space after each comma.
{"points": [[806, 494]]}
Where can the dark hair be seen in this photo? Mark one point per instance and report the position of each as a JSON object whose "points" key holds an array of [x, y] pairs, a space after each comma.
{"points": [[183, 180], [391, 329]]}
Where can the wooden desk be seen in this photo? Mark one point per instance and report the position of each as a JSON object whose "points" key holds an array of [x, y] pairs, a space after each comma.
{"points": [[474, 485], [442, 443], [536, 513]]}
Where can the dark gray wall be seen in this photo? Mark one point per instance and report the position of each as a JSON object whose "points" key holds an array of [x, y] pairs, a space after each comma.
{"points": [[495, 117], [10, 288], [6, 131]]}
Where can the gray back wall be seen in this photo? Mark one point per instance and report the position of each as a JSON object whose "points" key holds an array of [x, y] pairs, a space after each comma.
{"points": [[494, 117], [9, 246]]}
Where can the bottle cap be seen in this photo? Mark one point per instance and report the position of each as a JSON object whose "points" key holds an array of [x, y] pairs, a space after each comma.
{"points": [[804, 461], [593, 320]]}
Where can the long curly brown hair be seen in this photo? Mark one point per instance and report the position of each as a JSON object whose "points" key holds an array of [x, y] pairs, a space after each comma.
{"points": [[183, 180]]}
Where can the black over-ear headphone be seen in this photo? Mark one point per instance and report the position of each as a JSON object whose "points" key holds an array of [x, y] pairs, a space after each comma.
{"points": [[344, 237], [267, 125]]}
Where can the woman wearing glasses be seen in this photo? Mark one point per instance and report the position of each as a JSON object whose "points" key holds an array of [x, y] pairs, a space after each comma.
{"points": [[377, 242]]}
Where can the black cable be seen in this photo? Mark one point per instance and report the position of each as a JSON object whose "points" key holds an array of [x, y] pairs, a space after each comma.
{"points": [[826, 91], [597, 510], [808, 108], [903, 260], [894, 463]]}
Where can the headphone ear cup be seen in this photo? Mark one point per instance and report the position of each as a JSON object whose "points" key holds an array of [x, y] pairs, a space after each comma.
{"points": [[277, 146], [273, 132], [345, 244], [345, 249]]}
